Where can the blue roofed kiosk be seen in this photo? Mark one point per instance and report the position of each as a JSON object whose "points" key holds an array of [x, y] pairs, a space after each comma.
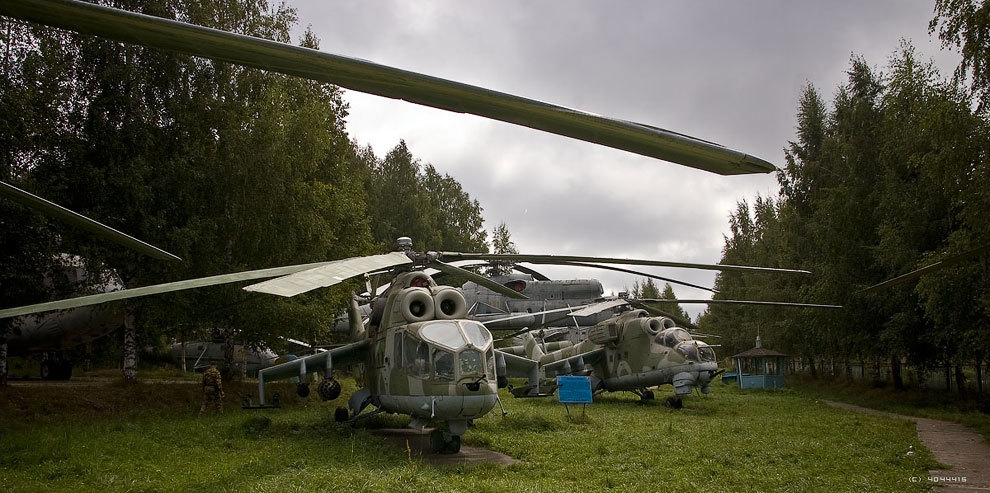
{"points": [[760, 368]]}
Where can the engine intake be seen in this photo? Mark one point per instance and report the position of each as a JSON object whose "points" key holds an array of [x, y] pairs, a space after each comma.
{"points": [[417, 305], [449, 304]]}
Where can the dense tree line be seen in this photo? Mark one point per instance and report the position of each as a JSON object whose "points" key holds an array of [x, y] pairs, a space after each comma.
{"points": [[889, 177], [228, 167]]}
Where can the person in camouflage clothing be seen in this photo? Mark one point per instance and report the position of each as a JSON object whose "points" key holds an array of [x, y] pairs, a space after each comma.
{"points": [[212, 390]]}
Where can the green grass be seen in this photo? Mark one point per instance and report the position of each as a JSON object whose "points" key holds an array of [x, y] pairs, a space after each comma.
{"points": [[934, 404], [729, 441]]}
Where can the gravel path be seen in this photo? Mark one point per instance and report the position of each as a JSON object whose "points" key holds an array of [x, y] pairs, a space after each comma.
{"points": [[954, 444]]}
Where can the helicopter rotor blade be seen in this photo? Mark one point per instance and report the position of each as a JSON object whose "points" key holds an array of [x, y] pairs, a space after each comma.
{"points": [[941, 264], [744, 302], [156, 289], [80, 221], [558, 259], [527, 314], [526, 270], [519, 268], [596, 308], [479, 279], [381, 80], [638, 273], [327, 275]]}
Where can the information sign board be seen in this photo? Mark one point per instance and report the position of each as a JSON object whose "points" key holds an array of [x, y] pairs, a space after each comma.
{"points": [[574, 389]]}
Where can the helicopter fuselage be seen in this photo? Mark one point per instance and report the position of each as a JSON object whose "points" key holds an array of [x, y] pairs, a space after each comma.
{"points": [[633, 352]]}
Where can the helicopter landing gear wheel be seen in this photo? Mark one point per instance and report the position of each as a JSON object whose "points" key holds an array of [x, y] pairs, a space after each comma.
{"points": [[647, 395], [674, 402], [47, 370], [444, 443], [340, 414]]}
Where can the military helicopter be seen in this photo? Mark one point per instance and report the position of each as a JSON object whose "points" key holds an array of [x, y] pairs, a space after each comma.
{"points": [[632, 351], [421, 356]]}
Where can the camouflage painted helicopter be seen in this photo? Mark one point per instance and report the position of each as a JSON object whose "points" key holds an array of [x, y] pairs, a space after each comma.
{"points": [[632, 351]]}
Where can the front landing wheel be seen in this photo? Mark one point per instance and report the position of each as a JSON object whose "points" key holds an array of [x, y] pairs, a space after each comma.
{"points": [[674, 402], [444, 443]]}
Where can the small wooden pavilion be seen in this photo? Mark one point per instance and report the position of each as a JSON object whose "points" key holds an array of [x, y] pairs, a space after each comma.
{"points": [[760, 368]]}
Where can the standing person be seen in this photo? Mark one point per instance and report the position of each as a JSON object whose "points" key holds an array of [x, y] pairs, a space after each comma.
{"points": [[212, 389]]}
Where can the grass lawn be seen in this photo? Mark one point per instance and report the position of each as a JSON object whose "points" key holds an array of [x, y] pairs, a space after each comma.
{"points": [[148, 438], [935, 404]]}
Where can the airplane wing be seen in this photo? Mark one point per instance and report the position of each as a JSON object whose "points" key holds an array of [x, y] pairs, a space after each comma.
{"points": [[341, 356], [381, 80]]}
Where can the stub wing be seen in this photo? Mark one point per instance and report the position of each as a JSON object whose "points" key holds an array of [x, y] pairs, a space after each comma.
{"points": [[340, 356], [517, 366], [575, 363]]}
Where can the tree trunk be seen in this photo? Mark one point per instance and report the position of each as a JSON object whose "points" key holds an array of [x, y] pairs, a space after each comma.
{"points": [[948, 377], [228, 354], [979, 375], [811, 364], [895, 373], [849, 369], [960, 381], [183, 346], [130, 355], [3, 359]]}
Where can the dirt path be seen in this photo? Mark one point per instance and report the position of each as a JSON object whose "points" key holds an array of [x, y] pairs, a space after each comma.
{"points": [[954, 444]]}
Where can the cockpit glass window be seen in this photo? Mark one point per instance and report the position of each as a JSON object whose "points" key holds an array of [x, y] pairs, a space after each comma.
{"points": [[443, 364], [471, 363], [491, 363], [706, 353], [416, 357], [688, 350], [671, 337], [477, 333], [444, 333]]}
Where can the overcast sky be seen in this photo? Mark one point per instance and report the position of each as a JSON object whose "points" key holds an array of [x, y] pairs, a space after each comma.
{"points": [[728, 72]]}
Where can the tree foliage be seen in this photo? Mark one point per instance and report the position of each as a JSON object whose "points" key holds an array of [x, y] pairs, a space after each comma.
{"points": [[229, 167], [965, 24], [888, 178]]}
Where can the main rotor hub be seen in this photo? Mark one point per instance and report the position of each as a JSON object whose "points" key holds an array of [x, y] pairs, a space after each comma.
{"points": [[403, 244]]}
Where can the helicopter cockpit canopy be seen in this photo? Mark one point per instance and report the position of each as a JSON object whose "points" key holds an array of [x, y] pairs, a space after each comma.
{"points": [[455, 334], [673, 336], [696, 351], [451, 349], [706, 352]]}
